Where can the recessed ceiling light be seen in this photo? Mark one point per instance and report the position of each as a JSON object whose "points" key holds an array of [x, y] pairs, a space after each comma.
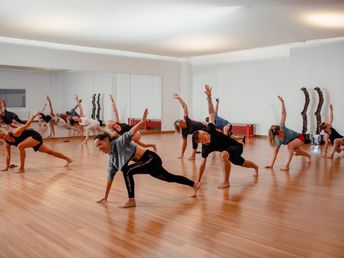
{"points": [[328, 20]]}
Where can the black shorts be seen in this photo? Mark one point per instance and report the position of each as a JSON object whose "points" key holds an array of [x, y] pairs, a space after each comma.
{"points": [[35, 135], [235, 155]]}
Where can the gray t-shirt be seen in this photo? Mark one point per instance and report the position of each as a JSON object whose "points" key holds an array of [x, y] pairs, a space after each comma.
{"points": [[289, 136], [122, 150]]}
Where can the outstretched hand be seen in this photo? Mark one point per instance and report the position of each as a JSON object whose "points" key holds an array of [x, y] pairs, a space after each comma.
{"points": [[207, 90], [280, 98], [145, 114], [176, 96], [112, 99]]}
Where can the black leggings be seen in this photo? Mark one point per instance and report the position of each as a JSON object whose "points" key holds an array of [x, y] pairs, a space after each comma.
{"points": [[150, 163]]}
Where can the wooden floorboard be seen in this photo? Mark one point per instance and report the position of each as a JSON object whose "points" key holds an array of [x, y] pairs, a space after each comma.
{"points": [[51, 211]]}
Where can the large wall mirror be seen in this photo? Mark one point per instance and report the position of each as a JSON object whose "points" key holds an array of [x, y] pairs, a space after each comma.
{"points": [[132, 94]]}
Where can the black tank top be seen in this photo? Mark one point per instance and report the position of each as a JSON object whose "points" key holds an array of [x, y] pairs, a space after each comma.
{"points": [[334, 135], [25, 134]]}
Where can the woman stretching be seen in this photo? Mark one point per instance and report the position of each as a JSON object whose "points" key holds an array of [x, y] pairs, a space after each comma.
{"points": [[24, 138], [122, 150], [117, 128], [332, 136], [280, 134]]}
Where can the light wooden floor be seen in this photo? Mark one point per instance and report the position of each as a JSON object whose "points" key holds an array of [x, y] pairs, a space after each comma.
{"points": [[51, 211]]}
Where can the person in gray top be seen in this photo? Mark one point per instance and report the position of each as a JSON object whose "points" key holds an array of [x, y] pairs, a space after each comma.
{"points": [[122, 150]]}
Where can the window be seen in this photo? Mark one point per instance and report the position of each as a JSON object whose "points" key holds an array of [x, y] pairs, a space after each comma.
{"points": [[13, 97]]}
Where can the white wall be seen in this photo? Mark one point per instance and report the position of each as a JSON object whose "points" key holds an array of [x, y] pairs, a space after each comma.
{"points": [[37, 85], [248, 89], [169, 71]]}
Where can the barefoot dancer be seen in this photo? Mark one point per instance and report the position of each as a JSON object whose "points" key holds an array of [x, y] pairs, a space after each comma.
{"points": [[84, 121], [187, 126], [122, 150], [24, 138], [213, 140], [117, 128], [280, 134], [332, 136]]}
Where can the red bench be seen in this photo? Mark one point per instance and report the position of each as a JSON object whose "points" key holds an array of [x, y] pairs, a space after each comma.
{"points": [[149, 125], [245, 129]]}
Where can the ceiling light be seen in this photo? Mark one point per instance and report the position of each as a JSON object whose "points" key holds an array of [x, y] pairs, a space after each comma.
{"points": [[328, 20]]}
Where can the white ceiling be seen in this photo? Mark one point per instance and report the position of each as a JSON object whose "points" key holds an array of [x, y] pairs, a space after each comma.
{"points": [[172, 27]]}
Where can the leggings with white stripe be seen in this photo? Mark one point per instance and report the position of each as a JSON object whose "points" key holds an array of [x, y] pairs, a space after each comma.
{"points": [[150, 163]]}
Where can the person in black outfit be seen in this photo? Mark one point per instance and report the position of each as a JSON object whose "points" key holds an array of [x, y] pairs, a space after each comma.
{"points": [[122, 150], [332, 136], [187, 126], [213, 140], [24, 138], [6, 116], [117, 128]]}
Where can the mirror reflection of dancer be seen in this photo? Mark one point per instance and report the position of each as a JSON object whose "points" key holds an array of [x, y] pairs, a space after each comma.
{"points": [[122, 151], [280, 134], [8, 117], [331, 136], [24, 138], [187, 126], [55, 119], [85, 122], [116, 128], [213, 140]]}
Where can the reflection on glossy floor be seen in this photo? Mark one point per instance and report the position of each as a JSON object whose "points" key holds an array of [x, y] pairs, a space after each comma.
{"points": [[51, 211]]}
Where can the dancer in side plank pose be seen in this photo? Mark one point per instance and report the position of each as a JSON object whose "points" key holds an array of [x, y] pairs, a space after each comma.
{"points": [[213, 140], [116, 128], [332, 136], [187, 126], [122, 150], [24, 138], [280, 134]]}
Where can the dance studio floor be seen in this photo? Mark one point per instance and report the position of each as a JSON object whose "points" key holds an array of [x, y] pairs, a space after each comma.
{"points": [[51, 211]]}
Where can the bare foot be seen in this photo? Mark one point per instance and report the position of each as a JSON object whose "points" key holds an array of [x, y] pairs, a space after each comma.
{"points": [[196, 187], [20, 170], [223, 185], [130, 203], [285, 169], [329, 157], [69, 161], [191, 158], [84, 142]]}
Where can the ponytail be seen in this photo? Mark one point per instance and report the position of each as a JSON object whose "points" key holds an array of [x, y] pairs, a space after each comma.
{"points": [[274, 130]]}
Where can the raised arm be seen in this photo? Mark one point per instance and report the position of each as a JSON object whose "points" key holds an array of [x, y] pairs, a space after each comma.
{"points": [[182, 103], [284, 112], [18, 131], [331, 115], [135, 129], [115, 110], [211, 110], [80, 106], [50, 106], [217, 105]]}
